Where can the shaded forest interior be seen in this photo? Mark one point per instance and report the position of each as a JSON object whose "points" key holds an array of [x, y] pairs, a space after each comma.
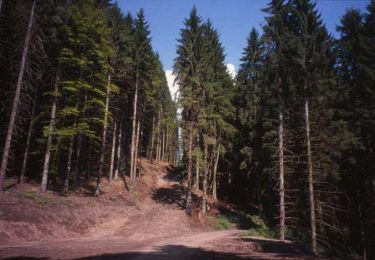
{"points": [[84, 98]]}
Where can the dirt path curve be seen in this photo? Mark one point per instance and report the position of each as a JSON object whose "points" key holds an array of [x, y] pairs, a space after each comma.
{"points": [[160, 231]]}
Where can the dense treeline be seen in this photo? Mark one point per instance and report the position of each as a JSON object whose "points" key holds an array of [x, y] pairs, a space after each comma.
{"points": [[292, 138], [83, 94]]}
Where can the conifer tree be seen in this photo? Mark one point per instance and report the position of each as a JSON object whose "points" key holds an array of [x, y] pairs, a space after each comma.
{"points": [[16, 100], [186, 70]]}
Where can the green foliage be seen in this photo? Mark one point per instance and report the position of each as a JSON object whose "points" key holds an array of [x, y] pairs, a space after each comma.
{"points": [[220, 222], [36, 197]]}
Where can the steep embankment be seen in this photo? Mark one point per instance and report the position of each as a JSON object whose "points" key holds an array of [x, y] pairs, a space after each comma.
{"points": [[26, 214], [150, 225]]}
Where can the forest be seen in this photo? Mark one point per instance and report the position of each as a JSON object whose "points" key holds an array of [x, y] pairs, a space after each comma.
{"points": [[84, 99]]}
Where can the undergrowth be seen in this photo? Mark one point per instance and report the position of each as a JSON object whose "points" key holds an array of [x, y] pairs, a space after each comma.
{"points": [[35, 197], [240, 219]]}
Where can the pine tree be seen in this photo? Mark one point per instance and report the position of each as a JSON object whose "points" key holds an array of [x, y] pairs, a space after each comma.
{"points": [[186, 70], [16, 100], [356, 59]]}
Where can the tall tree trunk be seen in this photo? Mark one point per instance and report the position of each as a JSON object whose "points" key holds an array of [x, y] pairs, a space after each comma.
{"points": [[214, 188], [51, 130], [69, 163], [158, 137], [197, 170], [189, 168], [163, 147], [113, 150], [361, 226], [78, 158], [133, 140], [118, 153], [281, 177], [89, 156], [9, 135], [205, 175], [166, 146], [27, 145], [104, 136], [136, 150], [197, 174], [79, 147], [311, 179], [151, 155]]}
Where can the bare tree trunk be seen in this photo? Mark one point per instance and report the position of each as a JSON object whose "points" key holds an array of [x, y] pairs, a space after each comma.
{"points": [[361, 227], [118, 153], [163, 146], [79, 147], [51, 130], [311, 179], [214, 188], [151, 155], [104, 136], [205, 175], [189, 168], [197, 174], [136, 153], [69, 163], [27, 146], [113, 153], [197, 171], [134, 125], [78, 158], [158, 137], [88, 174], [281, 177], [9, 135], [166, 156]]}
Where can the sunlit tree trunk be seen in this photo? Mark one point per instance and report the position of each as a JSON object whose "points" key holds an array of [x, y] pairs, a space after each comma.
{"points": [[205, 175], [16, 100], [189, 169], [113, 151], [214, 188], [166, 146], [118, 153], [70, 158], [158, 137], [133, 139], [136, 152], [51, 129], [151, 155], [311, 179], [27, 145], [197, 171], [197, 174], [163, 146], [104, 137]]}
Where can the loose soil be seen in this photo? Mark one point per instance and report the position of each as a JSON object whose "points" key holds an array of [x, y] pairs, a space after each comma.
{"points": [[149, 224]]}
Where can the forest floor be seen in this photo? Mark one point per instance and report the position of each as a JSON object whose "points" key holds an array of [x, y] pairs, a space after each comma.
{"points": [[150, 224]]}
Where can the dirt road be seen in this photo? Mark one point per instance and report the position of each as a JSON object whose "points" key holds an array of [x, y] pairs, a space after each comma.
{"points": [[161, 230]]}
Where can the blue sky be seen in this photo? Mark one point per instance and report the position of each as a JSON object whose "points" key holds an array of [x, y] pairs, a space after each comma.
{"points": [[233, 19]]}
